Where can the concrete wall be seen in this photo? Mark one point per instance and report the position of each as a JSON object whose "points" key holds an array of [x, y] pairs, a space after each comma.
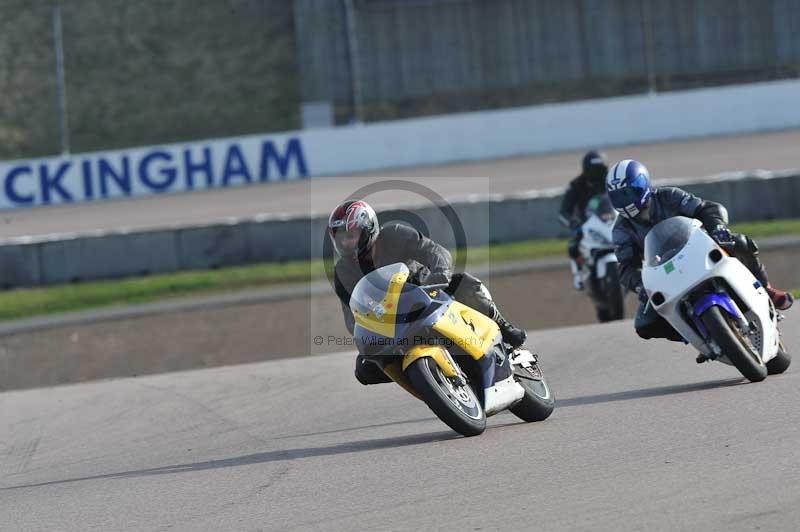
{"points": [[403, 143], [549, 128], [54, 260]]}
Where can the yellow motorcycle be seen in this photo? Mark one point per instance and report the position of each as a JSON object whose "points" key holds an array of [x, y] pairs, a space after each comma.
{"points": [[445, 353]]}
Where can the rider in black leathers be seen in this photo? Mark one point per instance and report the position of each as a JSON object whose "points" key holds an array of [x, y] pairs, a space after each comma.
{"points": [[364, 246], [658, 204], [573, 206]]}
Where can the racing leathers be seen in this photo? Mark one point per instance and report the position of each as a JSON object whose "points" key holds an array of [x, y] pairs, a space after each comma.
{"points": [[573, 214], [629, 235], [429, 263]]}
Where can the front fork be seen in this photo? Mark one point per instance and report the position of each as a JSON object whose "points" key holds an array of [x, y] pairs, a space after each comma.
{"points": [[715, 299]]}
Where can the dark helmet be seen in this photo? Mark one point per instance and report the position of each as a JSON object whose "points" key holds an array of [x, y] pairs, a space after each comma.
{"points": [[353, 227], [629, 189], [595, 166]]}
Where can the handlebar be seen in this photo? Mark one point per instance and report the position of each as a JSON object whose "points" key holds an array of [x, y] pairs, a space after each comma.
{"points": [[439, 286]]}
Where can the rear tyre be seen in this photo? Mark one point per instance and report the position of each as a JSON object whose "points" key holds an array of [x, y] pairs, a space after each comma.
{"points": [[612, 293], [456, 405], [538, 402], [603, 315], [781, 362], [734, 344], [615, 295]]}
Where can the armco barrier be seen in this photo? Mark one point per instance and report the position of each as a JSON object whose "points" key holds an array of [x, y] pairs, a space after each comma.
{"points": [[20, 265], [213, 246], [491, 219], [104, 256]]}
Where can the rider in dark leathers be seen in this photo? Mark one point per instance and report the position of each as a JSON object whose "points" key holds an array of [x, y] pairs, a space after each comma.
{"points": [[573, 206], [364, 246], [641, 210]]}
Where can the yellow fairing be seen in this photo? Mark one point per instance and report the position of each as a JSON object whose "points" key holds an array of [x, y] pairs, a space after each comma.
{"points": [[436, 353], [474, 332], [383, 322], [395, 372]]}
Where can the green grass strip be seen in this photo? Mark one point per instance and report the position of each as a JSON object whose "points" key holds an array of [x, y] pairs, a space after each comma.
{"points": [[65, 298], [767, 229]]}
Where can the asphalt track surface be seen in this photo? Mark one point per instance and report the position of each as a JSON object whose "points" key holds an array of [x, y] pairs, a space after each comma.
{"points": [[642, 438], [690, 158]]}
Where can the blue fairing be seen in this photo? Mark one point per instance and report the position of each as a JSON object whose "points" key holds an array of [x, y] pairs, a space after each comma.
{"points": [[714, 300]]}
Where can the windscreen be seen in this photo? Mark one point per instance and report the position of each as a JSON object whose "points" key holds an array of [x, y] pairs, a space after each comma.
{"points": [[666, 239], [373, 287]]}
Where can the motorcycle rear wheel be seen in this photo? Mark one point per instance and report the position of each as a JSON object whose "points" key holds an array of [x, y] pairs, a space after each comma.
{"points": [[781, 362], [456, 405], [734, 345], [539, 401], [613, 295]]}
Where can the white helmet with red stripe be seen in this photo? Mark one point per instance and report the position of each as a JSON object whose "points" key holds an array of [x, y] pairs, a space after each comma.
{"points": [[353, 228]]}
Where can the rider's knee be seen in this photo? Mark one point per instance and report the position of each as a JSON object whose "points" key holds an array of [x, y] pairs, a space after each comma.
{"points": [[464, 285], [468, 279], [368, 373], [658, 330], [573, 252], [645, 332]]}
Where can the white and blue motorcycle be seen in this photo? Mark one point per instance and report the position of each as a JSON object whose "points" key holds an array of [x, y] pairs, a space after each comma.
{"points": [[712, 299], [600, 271]]}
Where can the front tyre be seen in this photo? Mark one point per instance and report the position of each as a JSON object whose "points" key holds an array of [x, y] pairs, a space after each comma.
{"points": [[781, 362], [455, 404], [734, 344], [538, 402]]}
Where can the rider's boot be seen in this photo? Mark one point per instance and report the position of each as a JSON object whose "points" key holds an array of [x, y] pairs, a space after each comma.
{"points": [[513, 336], [577, 275], [368, 373], [747, 251], [780, 298]]}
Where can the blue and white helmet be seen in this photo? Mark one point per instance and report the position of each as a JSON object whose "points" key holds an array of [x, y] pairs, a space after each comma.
{"points": [[628, 187]]}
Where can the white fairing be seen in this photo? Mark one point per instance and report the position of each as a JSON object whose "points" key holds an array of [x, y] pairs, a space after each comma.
{"points": [[597, 236], [602, 264], [502, 395], [691, 267]]}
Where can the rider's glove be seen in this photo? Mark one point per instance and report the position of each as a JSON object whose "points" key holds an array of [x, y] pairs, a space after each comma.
{"points": [[438, 277], [417, 273], [722, 235]]}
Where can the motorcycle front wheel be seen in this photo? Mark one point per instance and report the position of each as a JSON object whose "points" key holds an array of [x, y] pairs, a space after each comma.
{"points": [[734, 344], [453, 402]]}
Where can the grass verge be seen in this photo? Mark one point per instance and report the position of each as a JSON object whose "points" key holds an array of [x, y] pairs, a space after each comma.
{"points": [[65, 298]]}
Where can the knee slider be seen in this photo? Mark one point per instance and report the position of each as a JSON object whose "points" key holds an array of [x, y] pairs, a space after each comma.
{"points": [[464, 282]]}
